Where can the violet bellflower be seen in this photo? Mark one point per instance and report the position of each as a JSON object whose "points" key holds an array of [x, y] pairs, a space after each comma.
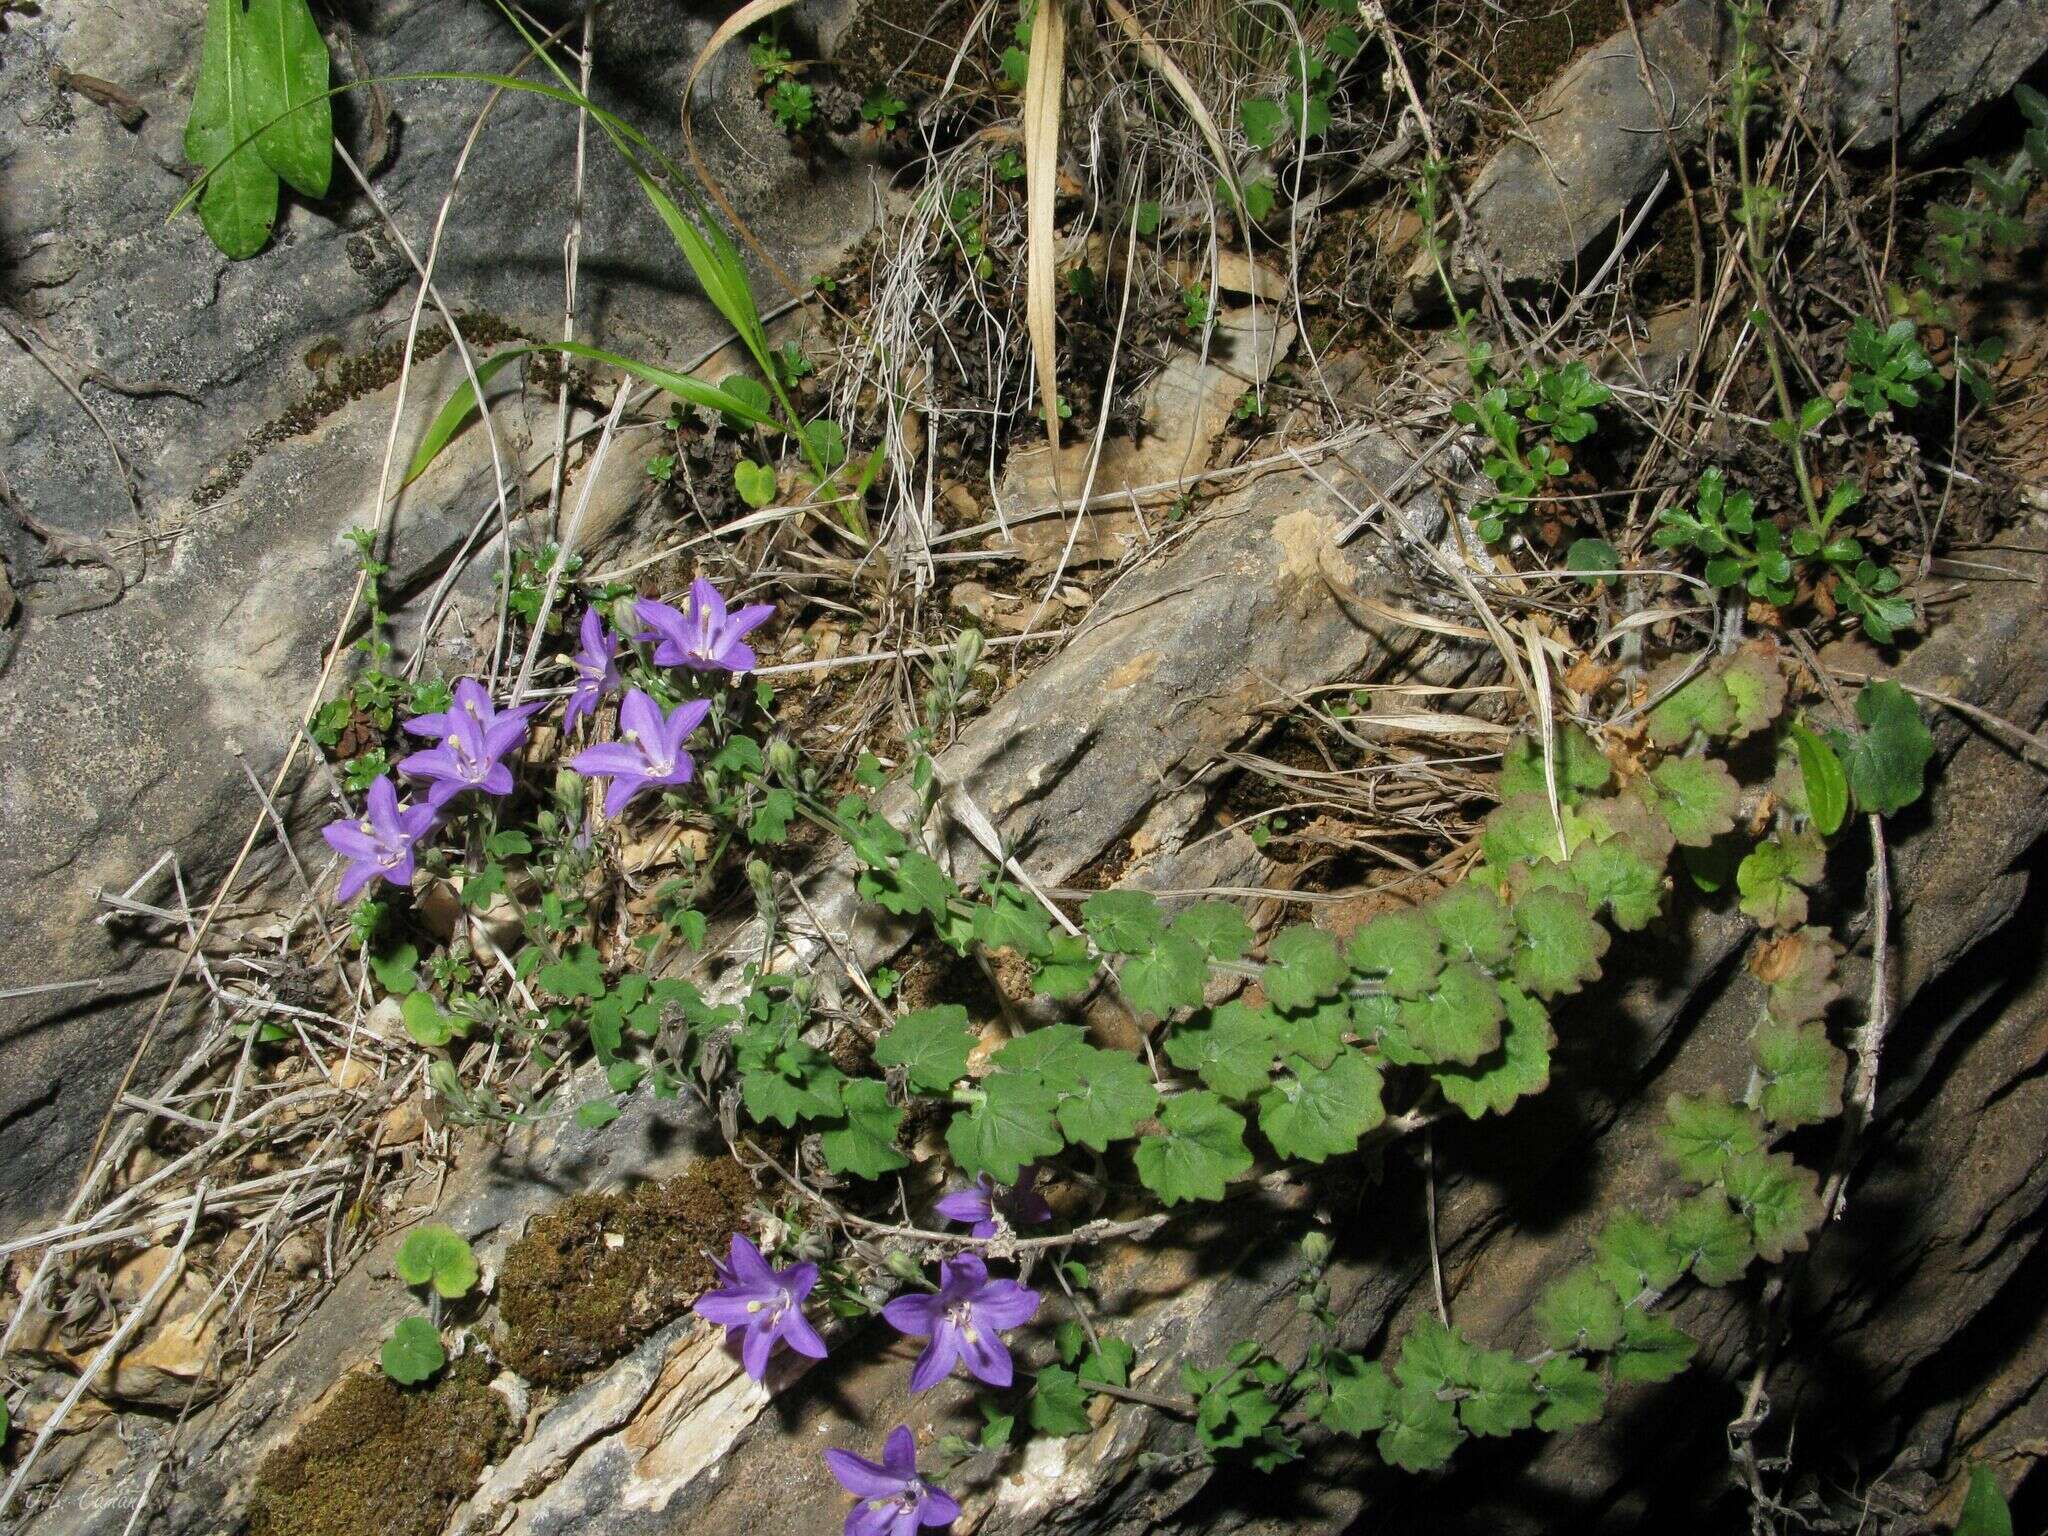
{"points": [[649, 752], [703, 636], [380, 845], [963, 1321], [890, 1499], [475, 735], [760, 1305], [597, 670], [982, 1201]]}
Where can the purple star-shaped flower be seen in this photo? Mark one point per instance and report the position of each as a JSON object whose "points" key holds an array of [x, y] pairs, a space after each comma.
{"points": [[963, 1321], [475, 736], [890, 1499], [980, 1202], [597, 670], [703, 636], [649, 752], [380, 846], [761, 1305]]}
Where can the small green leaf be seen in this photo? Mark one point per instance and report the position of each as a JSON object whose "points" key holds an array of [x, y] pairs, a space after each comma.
{"points": [[1579, 1310], [1059, 1403], [1801, 1072], [1230, 1048], [1262, 122], [1460, 1021], [1302, 967], [931, 1046], [1571, 1394], [1066, 969], [1171, 977], [1403, 947], [1756, 687], [1474, 925], [1710, 1238], [1423, 1432], [1582, 768], [238, 205], [1887, 761], [1701, 1133], [756, 483], [394, 971], [413, 1352], [1652, 1349], [425, 1021], [1985, 1511], [865, 1145], [1123, 922], [435, 1255], [1217, 928], [1826, 781], [1201, 1148], [1703, 703], [1780, 1199], [1113, 1097], [1314, 1113], [1056, 1055], [1561, 945], [1503, 1394], [1697, 797], [1615, 875], [1012, 1125], [1771, 876], [915, 885], [1520, 1068], [284, 77], [1633, 1256], [1358, 1395], [1434, 1356], [1592, 559], [579, 973]]}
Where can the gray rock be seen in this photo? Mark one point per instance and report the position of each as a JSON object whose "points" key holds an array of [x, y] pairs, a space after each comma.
{"points": [[116, 722], [1953, 58]]}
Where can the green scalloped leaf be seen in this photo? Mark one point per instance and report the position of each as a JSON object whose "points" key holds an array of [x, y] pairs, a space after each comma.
{"points": [[1434, 1356], [1358, 1395], [1066, 969], [1114, 1096], [1123, 922], [1313, 1113], [1799, 970], [1613, 876], [1703, 704], [864, 1146], [437, 1255], [1474, 925], [1571, 1393], [1303, 966], [1780, 1200], [1012, 1125], [1579, 1310], [1756, 687], [1771, 875], [1423, 1433], [1053, 1054], [1217, 927], [931, 1046], [1582, 768], [1460, 1021], [1887, 760], [1652, 1349], [1520, 1068], [1561, 945], [1701, 1132], [1711, 1238], [1633, 1256], [1802, 1073], [1230, 1048], [413, 1352], [1503, 1394], [1519, 831], [1173, 975], [1402, 948], [1697, 797], [1200, 1149]]}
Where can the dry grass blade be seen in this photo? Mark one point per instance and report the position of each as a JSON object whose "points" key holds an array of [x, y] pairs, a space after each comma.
{"points": [[1042, 88], [1176, 78], [746, 16]]}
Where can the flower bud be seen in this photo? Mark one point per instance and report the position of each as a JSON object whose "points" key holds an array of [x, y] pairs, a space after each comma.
{"points": [[903, 1266], [782, 759]]}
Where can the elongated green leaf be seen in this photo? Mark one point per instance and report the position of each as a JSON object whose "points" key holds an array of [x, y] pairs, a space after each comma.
{"points": [[284, 74], [461, 405], [1827, 784], [238, 202]]}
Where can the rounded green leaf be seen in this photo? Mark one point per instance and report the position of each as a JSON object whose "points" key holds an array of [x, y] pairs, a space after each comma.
{"points": [[1200, 1148], [436, 1255]]}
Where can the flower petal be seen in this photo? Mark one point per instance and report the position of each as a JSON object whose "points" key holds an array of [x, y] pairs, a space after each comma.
{"points": [[353, 879], [936, 1363], [899, 1453], [642, 716], [965, 1205], [916, 1315], [747, 1263], [727, 1308], [1004, 1304], [745, 620], [799, 1335], [755, 1348], [621, 794], [960, 1278], [798, 1280], [937, 1507], [608, 758], [860, 1477], [986, 1356], [348, 839], [382, 805]]}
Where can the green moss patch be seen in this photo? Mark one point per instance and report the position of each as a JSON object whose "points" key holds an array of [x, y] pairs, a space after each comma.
{"points": [[379, 1460], [600, 1272]]}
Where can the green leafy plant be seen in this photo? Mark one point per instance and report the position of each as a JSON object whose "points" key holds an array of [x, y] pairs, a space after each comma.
{"points": [[794, 105], [1886, 367], [884, 108], [260, 116], [436, 1256], [413, 1353]]}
